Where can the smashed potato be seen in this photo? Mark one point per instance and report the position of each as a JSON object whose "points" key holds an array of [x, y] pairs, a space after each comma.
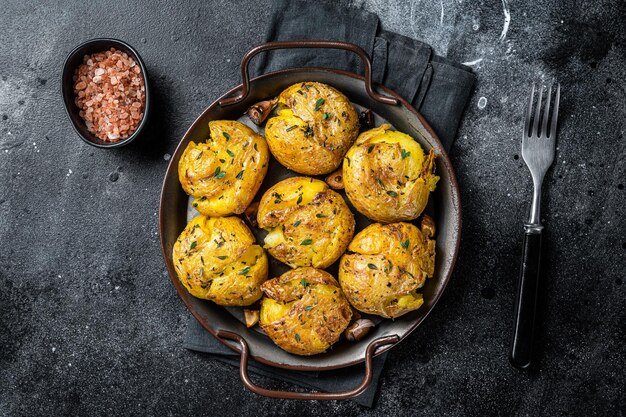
{"points": [[387, 175], [315, 127], [217, 259], [224, 173], [308, 223], [386, 266], [304, 311]]}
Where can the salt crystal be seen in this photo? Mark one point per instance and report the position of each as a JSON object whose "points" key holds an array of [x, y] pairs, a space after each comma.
{"points": [[99, 71]]}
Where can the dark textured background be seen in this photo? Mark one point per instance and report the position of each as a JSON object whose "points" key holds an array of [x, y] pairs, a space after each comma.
{"points": [[90, 324]]}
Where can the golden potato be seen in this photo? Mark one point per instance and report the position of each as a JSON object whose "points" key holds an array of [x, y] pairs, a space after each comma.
{"points": [[315, 126], [304, 311], [387, 265], [387, 176], [308, 223], [224, 173], [217, 259]]}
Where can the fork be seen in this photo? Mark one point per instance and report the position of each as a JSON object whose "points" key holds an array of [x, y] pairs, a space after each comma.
{"points": [[538, 148]]}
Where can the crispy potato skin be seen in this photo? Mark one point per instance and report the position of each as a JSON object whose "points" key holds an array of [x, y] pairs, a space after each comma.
{"points": [[387, 176], [387, 266], [224, 173], [308, 223], [310, 137], [304, 311], [217, 259]]}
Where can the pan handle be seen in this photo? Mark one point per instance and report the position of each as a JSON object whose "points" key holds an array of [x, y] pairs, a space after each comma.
{"points": [[245, 73], [290, 395]]}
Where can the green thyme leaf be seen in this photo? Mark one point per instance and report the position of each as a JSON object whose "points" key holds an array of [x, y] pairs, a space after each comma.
{"points": [[405, 244], [326, 116], [370, 148], [405, 154], [319, 103], [226, 135], [392, 193], [245, 270], [320, 215], [194, 244], [219, 174], [240, 175], [297, 338], [297, 223], [304, 283], [222, 257], [299, 199], [308, 308], [230, 153], [290, 128], [306, 242], [372, 266]]}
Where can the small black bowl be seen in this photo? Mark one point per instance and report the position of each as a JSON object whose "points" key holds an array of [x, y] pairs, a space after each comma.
{"points": [[73, 60]]}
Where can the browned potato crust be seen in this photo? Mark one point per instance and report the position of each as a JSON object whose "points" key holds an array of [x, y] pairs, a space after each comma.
{"points": [[387, 175], [304, 311], [385, 267], [308, 223], [315, 126], [224, 173], [217, 259]]}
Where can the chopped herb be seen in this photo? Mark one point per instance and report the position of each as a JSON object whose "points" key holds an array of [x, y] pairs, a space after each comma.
{"points": [[195, 204], [255, 147], [378, 180], [240, 175], [308, 308], [245, 270], [194, 244], [320, 215], [405, 154], [222, 257], [277, 198], [219, 174], [290, 128], [297, 223], [222, 160], [304, 283], [308, 131], [348, 159], [230, 153], [326, 116], [319, 103], [306, 242], [372, 266], [392, 193], [405, 244], [199, 155], [297, 338], [245, 145], [226, 135], [299, 199], [370, 148]]}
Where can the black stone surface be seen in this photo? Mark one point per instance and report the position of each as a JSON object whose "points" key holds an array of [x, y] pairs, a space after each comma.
{"points": [[90, 324]]}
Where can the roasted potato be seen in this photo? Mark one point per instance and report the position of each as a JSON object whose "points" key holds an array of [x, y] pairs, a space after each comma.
{"points": [[387, 175], [308, 223], [314, 128], [304, 311], [385, 267], [224, 173], [217, 259]]}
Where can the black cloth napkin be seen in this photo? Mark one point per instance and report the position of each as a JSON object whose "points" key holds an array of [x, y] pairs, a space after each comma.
{"points": [[437, 87]]}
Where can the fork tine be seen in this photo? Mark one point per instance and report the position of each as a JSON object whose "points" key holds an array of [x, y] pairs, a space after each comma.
{"points": [[555, 112], [535, 131], [546, 113], [529, 112]]}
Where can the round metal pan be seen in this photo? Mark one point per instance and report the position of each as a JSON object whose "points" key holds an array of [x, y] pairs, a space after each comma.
{"points": [[388, 106]]}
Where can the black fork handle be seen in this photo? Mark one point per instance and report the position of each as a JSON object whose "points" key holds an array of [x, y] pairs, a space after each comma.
{"points": [[526, 301]]}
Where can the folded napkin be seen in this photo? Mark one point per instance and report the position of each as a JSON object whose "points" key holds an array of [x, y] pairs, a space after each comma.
{"points": [[438, 88]]}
